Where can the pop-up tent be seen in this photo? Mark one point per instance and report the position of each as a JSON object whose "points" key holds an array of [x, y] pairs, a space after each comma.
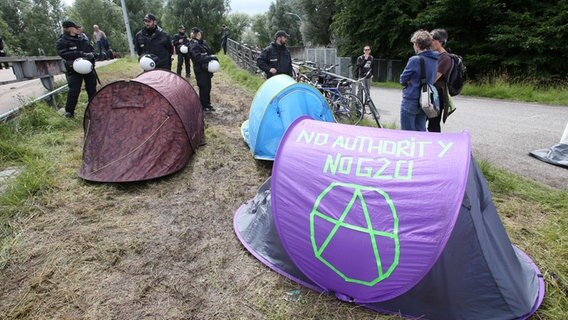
{"points": [[397, 221], [277, 103], [141, 129], [557, 154]]}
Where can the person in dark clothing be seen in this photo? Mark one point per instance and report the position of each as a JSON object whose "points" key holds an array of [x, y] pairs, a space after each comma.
{"points": [[364, 69], [3, 54], [179, 40], [70, 46], [201, 54], [276, 59], [224, 37], [439, 38], [153, 40]]}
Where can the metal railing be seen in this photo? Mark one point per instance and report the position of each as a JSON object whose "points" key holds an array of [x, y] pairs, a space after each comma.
{"points": [[243, 55], [39, 67]]}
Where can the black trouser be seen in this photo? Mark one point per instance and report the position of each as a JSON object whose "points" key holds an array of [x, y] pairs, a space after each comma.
{"points": [[6, 65], [75, 80], [204, 83], [434, 124], [181, 59]]}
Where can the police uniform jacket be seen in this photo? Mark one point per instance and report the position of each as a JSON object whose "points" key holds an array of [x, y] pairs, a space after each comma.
{"points": [[72, 47], [158, 43], [200, 55], [177, 44], [275, 56]]}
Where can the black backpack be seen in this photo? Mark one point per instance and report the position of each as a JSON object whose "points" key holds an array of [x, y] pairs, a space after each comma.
{"points": [[456, 76]]}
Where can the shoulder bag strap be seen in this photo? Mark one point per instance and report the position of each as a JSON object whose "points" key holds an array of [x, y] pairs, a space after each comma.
{"points": [[422, 71]]}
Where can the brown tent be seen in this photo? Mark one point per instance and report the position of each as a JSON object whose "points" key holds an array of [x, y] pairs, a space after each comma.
{"points": [[141, 129]]}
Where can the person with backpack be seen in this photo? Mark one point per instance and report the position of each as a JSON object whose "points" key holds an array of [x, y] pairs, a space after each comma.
{"points": [[439, 39], [412, 117]]}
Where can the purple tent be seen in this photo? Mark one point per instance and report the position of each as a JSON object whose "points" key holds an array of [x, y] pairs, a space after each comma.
{"points": [[397, 221]]}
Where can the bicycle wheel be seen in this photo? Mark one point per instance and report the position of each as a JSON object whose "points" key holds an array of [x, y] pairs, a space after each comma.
{"points": [[347, 109], [374, 112]]}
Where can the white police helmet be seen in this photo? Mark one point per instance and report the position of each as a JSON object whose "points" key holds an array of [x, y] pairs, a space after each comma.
{"points": [[183, 49], [82, 66], [213, 66], [147, 63]]}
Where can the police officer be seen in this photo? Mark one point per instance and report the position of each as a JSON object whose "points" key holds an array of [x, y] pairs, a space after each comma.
{"points": [[153, 40], [70, 46], [200, 56], [276, 59], [181, 39]]}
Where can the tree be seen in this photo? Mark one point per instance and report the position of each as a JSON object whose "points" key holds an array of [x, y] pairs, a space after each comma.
{"points": [[259, 27], [277, 19], [104, 13], [317, 17], [206, 15], [237, 24]]}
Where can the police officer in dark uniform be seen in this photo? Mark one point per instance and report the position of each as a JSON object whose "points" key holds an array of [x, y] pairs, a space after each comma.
{"points": [[200, 56], [70, 46], [181, 39], [276, 59], [153, 40]]}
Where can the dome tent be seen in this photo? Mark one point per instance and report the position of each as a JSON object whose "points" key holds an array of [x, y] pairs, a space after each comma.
{"points": [[277, 103], [141, 129], [395, 221]]}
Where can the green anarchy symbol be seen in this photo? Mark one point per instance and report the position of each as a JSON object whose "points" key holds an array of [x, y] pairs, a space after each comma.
{"points": [[367, 227]]}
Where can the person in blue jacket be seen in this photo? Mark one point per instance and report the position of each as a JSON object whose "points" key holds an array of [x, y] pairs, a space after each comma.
{"points": [[411, 115]]}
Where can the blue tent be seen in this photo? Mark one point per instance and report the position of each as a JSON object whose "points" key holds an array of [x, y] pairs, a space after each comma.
{"points": [[278, 102]]}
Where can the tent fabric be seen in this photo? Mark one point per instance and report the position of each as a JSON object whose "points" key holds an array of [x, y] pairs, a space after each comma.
{"points": [[141, 129], [346, 204], [278, 102], [556, 155]]}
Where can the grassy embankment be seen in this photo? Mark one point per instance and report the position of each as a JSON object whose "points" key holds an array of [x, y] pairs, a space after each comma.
{"points": [[40, 144]]}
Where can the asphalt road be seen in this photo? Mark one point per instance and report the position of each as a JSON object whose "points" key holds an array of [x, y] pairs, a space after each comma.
{"points": [[16, 94], [502, 132]]}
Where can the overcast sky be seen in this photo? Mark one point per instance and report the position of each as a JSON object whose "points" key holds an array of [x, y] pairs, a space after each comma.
{"points": [[250, 7]]}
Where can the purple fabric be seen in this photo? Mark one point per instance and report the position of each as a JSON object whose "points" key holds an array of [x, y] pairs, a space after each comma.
{"points": [[366, 212]]}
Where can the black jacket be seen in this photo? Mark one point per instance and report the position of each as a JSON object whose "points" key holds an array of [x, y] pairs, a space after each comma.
{"points": [[177, 44], [200, 55], [72, 47], [158, 43], [275, 56]]}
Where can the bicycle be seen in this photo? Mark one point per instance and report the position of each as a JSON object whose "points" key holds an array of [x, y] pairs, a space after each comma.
{"points": [[364, 95], [345, 107]]}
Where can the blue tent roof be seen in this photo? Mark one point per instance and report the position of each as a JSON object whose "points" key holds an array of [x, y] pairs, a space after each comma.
{"points": [[278, 102]]}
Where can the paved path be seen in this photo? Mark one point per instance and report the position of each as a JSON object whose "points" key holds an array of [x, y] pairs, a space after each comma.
{"points": [[502, 132], [17, 94]]}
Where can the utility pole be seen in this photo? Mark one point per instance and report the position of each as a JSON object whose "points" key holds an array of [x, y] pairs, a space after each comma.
{"points": [[128, 32]]}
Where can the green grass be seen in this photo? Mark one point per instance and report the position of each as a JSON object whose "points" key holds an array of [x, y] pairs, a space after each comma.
{"points": [[501, 88], [39, 140]]}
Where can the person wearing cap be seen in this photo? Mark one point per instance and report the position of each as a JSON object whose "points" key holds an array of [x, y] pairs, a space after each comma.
{"points": [[439, 38], [276, 59], [181, 39], [72, 45], [201, 54], [153, 40]]}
